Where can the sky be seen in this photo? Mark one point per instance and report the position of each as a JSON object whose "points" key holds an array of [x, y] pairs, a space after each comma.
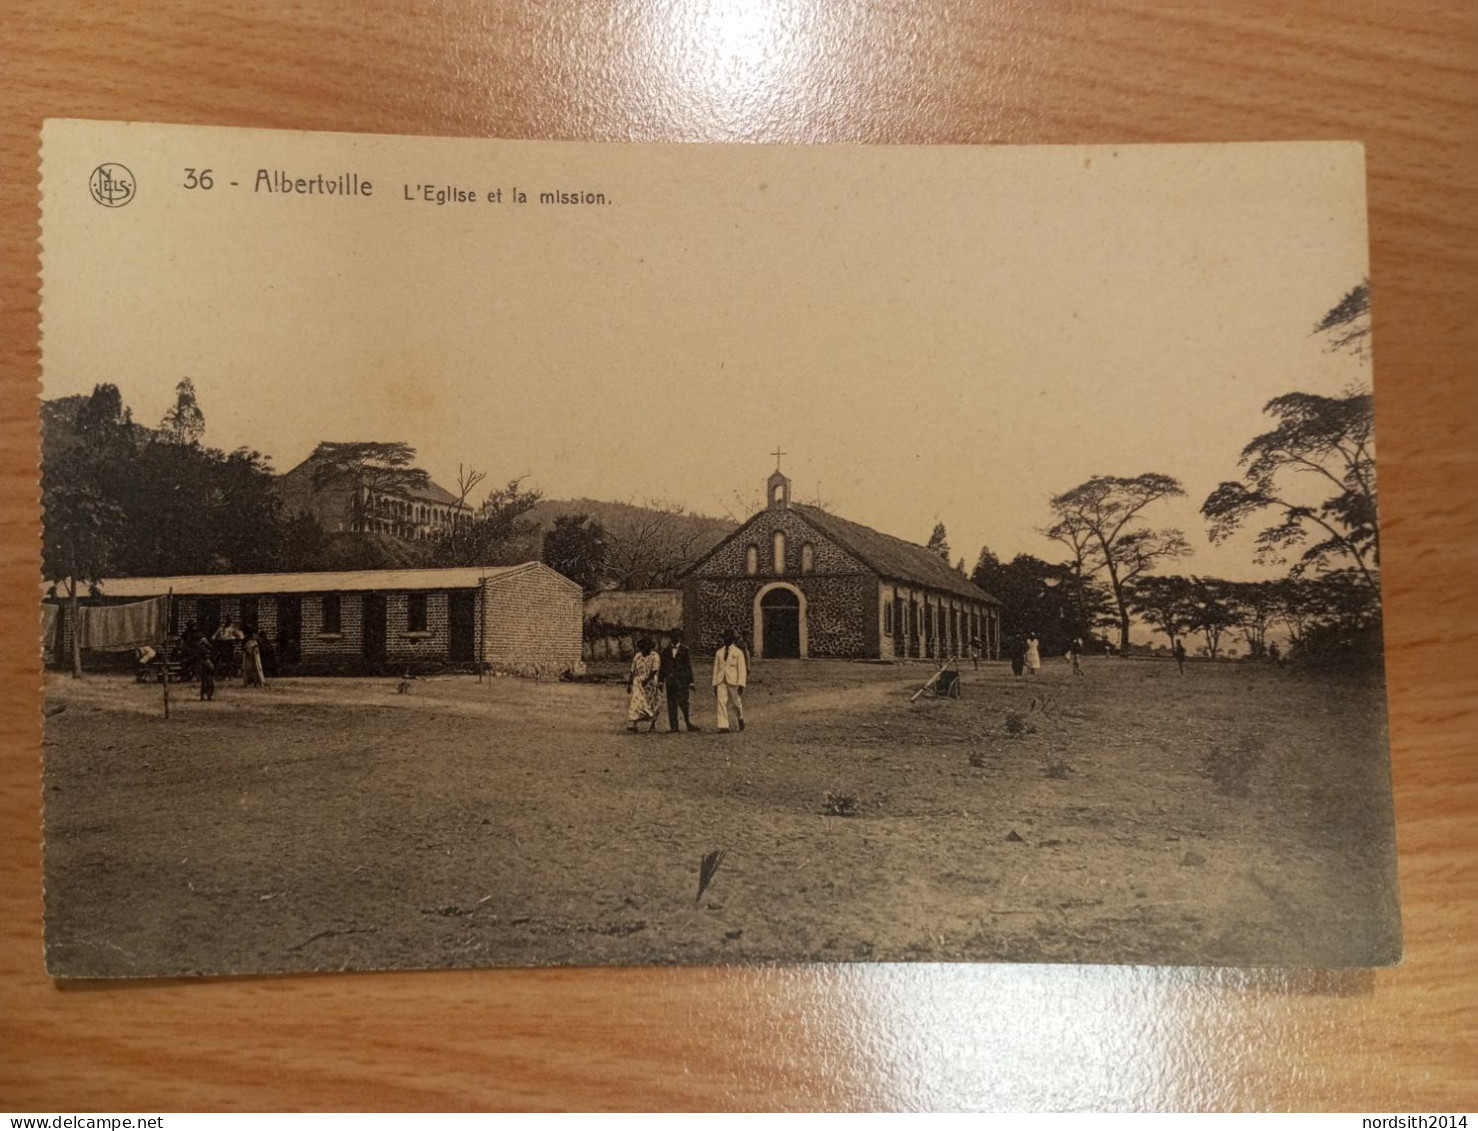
{"points": [[931, 334]]}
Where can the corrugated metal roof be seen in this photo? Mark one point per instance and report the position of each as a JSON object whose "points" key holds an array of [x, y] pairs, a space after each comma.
{"points": [[331, 581]]}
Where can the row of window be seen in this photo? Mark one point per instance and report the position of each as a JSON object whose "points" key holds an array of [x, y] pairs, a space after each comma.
{"points": [[777, 545], [208, 612], [415, 613], [935, 620]]}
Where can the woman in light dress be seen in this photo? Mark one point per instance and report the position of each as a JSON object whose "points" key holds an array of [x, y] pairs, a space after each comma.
{"points": [[251, 662], [642, 684], [1033, 654]]}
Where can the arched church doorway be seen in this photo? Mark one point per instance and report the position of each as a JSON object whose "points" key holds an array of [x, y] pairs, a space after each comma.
{"points": [[780, 624]]}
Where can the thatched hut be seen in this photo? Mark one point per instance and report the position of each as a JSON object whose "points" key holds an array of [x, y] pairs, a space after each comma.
{"points": [[615, 619]]}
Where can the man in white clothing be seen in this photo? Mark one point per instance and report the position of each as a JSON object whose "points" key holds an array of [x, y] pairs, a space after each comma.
{"points": [[730, 674]]}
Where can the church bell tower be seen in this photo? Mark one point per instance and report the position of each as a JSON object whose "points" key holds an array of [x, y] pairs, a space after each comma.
{"points": [[777, 487]]}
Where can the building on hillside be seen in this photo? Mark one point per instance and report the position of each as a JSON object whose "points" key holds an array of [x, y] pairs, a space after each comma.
{"points": [[414, 515], [797, 581], [525, 619], [615, 619]]}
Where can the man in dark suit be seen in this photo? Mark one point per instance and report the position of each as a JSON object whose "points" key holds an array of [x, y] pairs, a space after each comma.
{"points": [[676, 674]]}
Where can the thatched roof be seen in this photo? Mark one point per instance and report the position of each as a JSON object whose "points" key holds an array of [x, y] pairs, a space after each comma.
{"points": [[656, 610]]}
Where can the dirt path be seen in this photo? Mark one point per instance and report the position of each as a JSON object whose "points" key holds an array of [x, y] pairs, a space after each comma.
{"points": [[1236, 816]]}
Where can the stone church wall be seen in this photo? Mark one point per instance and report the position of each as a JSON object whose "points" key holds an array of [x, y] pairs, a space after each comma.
{"points": [[840, 612], [729, 561]]}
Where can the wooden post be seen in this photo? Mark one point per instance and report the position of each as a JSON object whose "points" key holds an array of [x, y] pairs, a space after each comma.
{"points": [[74, 611], [168, 609]]}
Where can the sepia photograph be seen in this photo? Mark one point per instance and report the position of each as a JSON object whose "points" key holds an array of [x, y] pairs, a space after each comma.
{"points": [[470, 553]]}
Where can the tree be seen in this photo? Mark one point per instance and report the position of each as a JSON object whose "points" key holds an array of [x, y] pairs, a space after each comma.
{"points": [[1106, 515], [1034, 598], [184, 423], [1330, 439], [1210, 611], [1348, 322], [104, 424], [496, 534], [1163, 601], [938, 542], [653, 545], [576, 547], [368, 468], [82, 529], [1255, 605], [185, 508], [1296, 606]]}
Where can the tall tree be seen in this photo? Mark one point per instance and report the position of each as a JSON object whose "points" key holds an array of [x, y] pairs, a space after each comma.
{"points": [[1347, 323], [1107, 514], [576, 547], [1163, 601], [367, 468], [82, 529], [1211, 611], [184, 423], [1035, 597], [1255, 606], [939, 542], [1330, 440]]}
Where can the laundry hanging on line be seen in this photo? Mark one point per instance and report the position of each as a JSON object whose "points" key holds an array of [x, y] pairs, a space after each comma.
{"points": [[118, 628], [50, 615]]}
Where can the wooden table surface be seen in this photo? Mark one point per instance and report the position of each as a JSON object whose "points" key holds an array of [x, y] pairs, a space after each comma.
{"points": [[1400, 77]]}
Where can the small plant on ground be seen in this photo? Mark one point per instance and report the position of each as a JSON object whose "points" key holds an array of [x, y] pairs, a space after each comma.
{"points": [[1057, 767], [1016, 725], [840, 805]]}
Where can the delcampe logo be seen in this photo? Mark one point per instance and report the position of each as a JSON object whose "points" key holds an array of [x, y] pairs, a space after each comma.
{"points": [[112, 184]]}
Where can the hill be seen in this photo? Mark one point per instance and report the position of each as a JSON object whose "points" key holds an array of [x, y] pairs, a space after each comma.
{"points": [[649, 545]]}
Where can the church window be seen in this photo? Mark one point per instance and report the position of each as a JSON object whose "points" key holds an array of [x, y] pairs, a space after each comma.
{"points": [[752, 560], [808, 557], [779, 551], [887, 618]]}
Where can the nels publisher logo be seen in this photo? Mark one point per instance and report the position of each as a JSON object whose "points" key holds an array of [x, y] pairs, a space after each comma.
{"points": [[112, 185]]}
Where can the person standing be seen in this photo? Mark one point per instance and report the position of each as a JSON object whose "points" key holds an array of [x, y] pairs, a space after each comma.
{"points": [[1180, 655], [1018, 654], [190, 651], [223, 646], [251, 662], [1033, 653], [730, 674], [975, 652], [205, 667], [641, 706], [676, 676], [1074, 652]]}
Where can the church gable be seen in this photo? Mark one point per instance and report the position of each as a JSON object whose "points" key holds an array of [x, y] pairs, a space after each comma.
{"points": [[751, 550]]}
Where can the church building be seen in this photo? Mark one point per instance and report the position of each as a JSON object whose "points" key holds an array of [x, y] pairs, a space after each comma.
{"points": [[795, 581]]}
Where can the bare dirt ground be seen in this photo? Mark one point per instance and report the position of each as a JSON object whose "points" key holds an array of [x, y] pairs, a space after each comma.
{"points": [[1238, 815]]}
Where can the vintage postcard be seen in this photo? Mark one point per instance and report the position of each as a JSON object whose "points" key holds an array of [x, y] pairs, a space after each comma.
{"points": [[488, 553]]}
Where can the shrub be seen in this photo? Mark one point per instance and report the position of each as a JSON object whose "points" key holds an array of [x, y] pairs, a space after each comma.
{"points": [[840, 805], [1016, 725]]}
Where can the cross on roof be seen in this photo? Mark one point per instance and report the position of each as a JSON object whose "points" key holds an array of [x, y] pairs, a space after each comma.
{"points": [[777, 453]]}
